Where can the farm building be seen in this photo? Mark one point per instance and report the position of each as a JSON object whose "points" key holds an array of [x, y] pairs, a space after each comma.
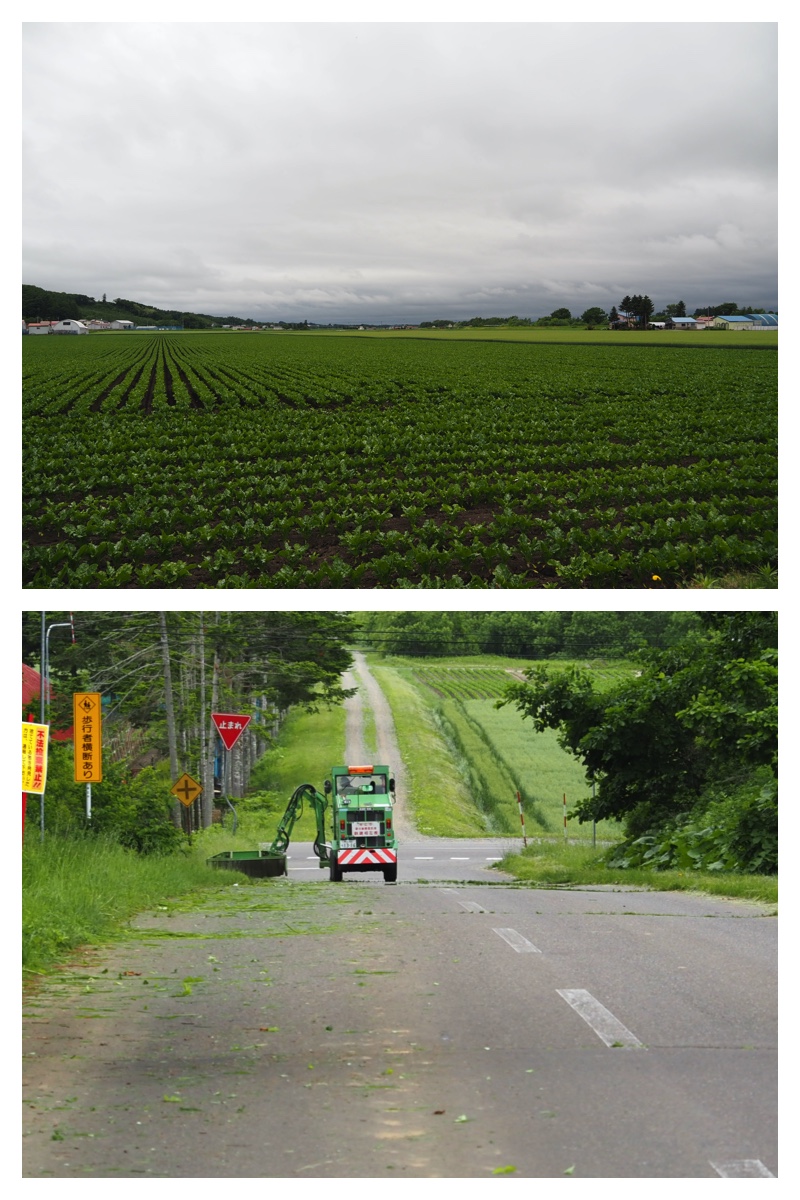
{"points": [[31, 693], [122, 324], [681, 323], [765, 320], [41, 326], [69, 326], [734, 323]]}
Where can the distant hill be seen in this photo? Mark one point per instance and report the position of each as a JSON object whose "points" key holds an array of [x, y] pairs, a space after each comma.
{"points": [[40, 305]]}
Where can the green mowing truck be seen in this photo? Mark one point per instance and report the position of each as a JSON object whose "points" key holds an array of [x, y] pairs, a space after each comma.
{"points": [[362, 837], [362, 812]]}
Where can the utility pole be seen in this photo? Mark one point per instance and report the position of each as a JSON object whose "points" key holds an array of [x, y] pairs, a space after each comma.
{"points": [[170, 710], [213, 737]]}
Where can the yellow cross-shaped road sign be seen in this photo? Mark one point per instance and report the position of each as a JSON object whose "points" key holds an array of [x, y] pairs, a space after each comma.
{"points": [[186, 789]]}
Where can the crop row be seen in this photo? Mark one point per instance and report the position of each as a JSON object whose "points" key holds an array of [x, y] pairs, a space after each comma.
{"points": [[465, 683], [251, 461]]}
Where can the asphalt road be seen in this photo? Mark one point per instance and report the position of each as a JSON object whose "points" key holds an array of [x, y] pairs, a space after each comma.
{"points": [[453, 1025]]}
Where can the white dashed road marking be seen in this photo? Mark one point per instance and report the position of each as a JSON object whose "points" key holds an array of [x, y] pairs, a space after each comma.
{"points": [[471, 906], [517, 942], [605, 1024], [745, 1168]]}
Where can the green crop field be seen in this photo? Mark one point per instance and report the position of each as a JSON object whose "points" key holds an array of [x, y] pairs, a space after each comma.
{"points": [[496, 751], [322, 461]]}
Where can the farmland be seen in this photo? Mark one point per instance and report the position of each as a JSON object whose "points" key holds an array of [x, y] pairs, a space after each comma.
{"points": [[497, 753], [318, 461]]}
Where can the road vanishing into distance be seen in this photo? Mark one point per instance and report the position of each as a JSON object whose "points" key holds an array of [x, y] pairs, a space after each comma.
{"points": [[455, 1024]]}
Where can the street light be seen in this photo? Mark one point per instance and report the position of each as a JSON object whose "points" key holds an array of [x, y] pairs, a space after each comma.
{"points": [[44, 684]]}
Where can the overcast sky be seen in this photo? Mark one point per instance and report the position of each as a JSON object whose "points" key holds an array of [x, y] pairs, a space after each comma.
{"points": [[401, 172]]}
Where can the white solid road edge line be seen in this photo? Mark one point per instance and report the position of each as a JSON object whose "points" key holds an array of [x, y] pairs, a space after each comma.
{"points": [[745, 1168], [517, 942], [605, 1024]]}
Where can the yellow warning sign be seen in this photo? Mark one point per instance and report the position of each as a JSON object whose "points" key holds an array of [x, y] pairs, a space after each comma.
{"points": [[186, 789], [87, 719], [34, 757]]}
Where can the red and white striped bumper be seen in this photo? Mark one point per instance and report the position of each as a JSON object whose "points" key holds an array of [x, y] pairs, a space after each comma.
{"points": [[366, 857]]}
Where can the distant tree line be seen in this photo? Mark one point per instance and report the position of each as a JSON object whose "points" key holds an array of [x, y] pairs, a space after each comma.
{"points": [[637, 311], [523, 634]]}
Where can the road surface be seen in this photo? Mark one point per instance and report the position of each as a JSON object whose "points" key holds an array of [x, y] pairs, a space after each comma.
{"points": [[439, 1027]]}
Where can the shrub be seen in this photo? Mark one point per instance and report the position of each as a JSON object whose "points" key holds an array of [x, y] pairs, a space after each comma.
{"points": [[737, 832], [133, 810]]}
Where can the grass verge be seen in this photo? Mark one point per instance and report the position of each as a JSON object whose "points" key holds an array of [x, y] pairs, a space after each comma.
{"points": [[554, 864], [438, 793], [79, 891]]}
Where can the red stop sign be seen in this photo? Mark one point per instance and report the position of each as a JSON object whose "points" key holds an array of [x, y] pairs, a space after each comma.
{"points": [[230, 727]]}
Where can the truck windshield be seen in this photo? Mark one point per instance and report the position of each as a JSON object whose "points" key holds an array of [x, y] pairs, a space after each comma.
{"points": [[361, 785]]}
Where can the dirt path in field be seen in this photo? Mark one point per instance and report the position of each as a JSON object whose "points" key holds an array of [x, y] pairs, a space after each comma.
{"points": [[386, 749]]}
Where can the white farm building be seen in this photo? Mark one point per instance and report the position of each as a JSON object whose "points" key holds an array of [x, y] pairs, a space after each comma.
{"points": [[69, 326]]}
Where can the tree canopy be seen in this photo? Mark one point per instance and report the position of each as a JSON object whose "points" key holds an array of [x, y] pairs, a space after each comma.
{"points": [[162, 674]]}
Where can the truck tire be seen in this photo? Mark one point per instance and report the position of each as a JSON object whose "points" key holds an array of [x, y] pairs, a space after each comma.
{"points": [[390, 874], [336, 870]]}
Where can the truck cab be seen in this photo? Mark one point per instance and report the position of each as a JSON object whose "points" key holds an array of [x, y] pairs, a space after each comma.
{"points": [[362, 813]]}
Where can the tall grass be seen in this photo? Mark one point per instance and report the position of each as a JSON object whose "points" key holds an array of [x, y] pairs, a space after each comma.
{"points": [[540, 768], [81, 890], [495, 752], [491, 789]]}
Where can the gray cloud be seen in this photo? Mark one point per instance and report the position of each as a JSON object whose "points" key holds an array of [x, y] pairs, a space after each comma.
{"points": [[401, 171]]}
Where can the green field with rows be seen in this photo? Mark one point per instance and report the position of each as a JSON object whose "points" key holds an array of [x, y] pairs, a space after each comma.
{"points": [[320, 461], [498, 752]]}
